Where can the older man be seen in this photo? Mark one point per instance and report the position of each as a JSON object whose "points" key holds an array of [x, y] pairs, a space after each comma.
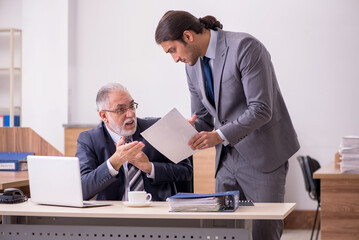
{"points": [[116, 159]]}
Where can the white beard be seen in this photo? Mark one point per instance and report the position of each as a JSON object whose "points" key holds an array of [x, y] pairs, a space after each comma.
{"points": [[120, 130]]}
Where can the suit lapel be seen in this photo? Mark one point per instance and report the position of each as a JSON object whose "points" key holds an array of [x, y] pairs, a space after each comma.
{"points": [[109, 142], [137, 136], [218, 65]]}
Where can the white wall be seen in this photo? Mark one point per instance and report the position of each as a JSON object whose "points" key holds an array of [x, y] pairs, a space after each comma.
{"points": [[115, 43], [314, 47], [45, 68]]}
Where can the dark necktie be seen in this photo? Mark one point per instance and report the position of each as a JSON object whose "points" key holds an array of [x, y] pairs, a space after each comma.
{"points": [[135, 180], [209, 80]]}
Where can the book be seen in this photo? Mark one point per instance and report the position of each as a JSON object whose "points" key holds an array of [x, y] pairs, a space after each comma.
{"points": [[14, 161], [212, 202], [6, 121]]}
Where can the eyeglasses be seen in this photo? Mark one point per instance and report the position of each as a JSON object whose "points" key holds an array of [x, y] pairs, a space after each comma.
{"points": [[123, 109]]}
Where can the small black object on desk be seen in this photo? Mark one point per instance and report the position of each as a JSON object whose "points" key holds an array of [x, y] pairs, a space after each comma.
{"points": [[12, 195], [245, 203]]}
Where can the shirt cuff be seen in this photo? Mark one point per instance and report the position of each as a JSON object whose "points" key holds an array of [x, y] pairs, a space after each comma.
{"points": [[225, 141], [152, 174], [112, 171]]}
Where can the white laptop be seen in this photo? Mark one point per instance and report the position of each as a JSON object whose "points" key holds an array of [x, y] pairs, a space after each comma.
{"points": [[57, 181]]}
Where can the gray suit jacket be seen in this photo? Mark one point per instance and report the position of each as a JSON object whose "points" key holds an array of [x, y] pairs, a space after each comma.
{"points": [[250, 110]]}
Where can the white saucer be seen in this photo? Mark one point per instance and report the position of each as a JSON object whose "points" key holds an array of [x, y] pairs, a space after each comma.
{"points": [[129, 204]]}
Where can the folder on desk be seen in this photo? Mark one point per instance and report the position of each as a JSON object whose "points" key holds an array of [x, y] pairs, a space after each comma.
{"points": [[212, 202], [14, 161]]}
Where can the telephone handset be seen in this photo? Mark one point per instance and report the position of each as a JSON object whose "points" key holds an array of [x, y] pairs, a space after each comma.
{"points": [[12, 195]]}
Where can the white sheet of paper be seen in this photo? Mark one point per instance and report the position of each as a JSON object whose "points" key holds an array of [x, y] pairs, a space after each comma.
{"points": [[170, 136]]}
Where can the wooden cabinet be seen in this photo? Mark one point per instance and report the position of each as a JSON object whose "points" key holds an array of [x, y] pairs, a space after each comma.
{"points": [[11, 69], [203, 171], [339, 203], [72, 132]]}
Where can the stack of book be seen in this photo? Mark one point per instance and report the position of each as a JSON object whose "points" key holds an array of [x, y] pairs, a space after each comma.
{"points": [[191, 202], [349, 151]]}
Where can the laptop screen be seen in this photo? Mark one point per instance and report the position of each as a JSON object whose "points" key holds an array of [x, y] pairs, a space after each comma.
{"points": [[55, 180]]}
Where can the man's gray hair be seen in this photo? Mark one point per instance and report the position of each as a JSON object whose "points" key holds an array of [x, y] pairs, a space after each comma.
{"points": [[102, 94]]}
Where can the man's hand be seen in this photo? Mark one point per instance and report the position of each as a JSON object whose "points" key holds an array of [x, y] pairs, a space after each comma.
{"points": [[125, 152], [192, 120], [142, 162], [203, 140]]}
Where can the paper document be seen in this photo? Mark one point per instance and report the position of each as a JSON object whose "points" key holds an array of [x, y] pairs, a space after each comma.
{"points": [[170, 136]]}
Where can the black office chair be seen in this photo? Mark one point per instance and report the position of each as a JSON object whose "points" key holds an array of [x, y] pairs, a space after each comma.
{"points": [[309, 166]]}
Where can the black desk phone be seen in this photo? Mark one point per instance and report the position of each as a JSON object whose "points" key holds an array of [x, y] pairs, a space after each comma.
{"points": [[12, 195]]}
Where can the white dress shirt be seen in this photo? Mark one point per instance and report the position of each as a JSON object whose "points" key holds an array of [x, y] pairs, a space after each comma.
{"points": [[116, 137]]}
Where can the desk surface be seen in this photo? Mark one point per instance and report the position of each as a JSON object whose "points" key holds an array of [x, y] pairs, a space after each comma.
{"points": [[157, 210], [10, 179], [329, 171]]}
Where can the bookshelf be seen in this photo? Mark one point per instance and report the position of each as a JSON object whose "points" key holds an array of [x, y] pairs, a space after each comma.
{"points": [[9, 67]]}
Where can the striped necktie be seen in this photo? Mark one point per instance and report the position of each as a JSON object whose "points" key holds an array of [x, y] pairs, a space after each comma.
{"points": [[135, 180], [208, 80]]}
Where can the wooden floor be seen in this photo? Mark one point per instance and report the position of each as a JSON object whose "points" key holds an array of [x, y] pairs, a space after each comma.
{"points": [[298, 234]]}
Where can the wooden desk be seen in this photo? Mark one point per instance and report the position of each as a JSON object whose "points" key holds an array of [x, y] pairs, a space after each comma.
{"points": [[120, 222], [13, 179], [339, 203]]}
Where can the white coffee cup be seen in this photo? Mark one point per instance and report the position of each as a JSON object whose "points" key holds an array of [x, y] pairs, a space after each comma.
{"points": [[139, 197]]}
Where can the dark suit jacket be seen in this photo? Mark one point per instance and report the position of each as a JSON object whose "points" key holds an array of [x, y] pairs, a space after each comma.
{"points": [[250, 110], [95, 146]]}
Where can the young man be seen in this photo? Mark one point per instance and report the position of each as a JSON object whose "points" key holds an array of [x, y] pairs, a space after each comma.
{"points": [[237, 107], [110, 168]]}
